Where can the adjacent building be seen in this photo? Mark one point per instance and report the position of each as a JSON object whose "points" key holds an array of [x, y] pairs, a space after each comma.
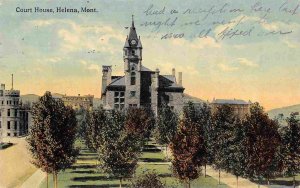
{"points": [[14, 117], [77, 102], [240, 107], [140, 86]]}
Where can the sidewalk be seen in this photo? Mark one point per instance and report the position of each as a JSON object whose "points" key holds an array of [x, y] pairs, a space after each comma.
{"points": [[230, 179], [35, 180]]}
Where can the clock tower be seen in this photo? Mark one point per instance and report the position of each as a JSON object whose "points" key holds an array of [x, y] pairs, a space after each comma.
{"points": [[132, 56]]}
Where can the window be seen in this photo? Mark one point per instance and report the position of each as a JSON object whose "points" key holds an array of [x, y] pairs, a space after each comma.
{"points": [[133, 52], [119, 100], [8, 125], [8, 112], [0, 124], [132, 93], [132, 105], [132, 78], [16, 112], [15, 134], [8, 134], [16, 125]]}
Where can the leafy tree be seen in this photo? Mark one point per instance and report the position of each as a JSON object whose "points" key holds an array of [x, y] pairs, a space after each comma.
{"points": [[222, 136], [262, 145], [140, 122], [236, 151], [82, 116], [148, 180], [52, 136], [96, 120], [118, 149], [187, 147], [291, 145], [205, 127], [166, 126]]}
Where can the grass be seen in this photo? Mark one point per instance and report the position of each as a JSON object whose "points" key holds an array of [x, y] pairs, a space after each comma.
{"points": [[282, 181], [84, 174]]}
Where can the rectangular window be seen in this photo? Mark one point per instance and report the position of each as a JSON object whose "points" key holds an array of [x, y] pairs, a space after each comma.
{"points": [[8, 134], [16, 125], [8, 112], [16, 112], [132, 93], [15, 134], [8, 124], [119, 100], [0, 124]]}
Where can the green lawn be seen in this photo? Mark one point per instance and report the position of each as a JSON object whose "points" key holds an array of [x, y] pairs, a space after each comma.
{"points": [[283, 181], [84, 173]]}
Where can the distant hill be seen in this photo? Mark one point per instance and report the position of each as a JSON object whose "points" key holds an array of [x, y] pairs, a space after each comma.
{"points": [[187, 98], [286, 111]]}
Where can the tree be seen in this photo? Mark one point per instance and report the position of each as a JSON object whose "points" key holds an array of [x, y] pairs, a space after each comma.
{"points": [[222, 136], [140, 122], [187, 147], [118, 149], [236, 151], [166, 126], [52, 136], [205, 126], [96, 120], [82, 116], [262, 144], [148, 180], [291, 145]]}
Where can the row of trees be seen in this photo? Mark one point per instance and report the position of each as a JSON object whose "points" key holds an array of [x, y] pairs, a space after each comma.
{"points": [[255, 147]]}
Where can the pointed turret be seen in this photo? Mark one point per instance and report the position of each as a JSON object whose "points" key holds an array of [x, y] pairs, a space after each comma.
{"points": [[139, 43], [132, 33]]}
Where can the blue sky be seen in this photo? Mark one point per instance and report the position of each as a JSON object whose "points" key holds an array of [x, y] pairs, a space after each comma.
{"points": [[64, 52]]}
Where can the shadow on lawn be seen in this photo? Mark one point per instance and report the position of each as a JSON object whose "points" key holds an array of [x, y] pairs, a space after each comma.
{"points": [[97, 186], [165, 175], [154, 150], [152, 160], [83, 172], [83, 167], [277, 182], [93, 178]]}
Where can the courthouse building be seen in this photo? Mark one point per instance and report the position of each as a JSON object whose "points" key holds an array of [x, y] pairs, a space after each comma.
{"points": [[140, 86]]}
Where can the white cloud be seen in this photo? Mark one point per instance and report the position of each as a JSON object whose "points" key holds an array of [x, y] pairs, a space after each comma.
{"points": [[94, 67], [227, 68], [246, 62]]}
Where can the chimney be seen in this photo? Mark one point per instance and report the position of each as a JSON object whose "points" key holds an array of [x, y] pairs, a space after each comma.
{"points": [[106, 77], [173, 72], [180, 78], [12, 81]]}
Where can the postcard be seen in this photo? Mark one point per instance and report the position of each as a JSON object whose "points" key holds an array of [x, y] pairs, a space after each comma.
{"points": [[129, 93]]}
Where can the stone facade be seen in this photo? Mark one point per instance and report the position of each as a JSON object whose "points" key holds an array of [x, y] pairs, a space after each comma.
{"points": [[140, 86], [14, 118], [77, 102], [240, 107]]}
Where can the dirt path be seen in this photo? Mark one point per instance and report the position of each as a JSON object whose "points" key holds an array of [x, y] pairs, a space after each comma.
{"points": [[230, 179], [15, 164]]}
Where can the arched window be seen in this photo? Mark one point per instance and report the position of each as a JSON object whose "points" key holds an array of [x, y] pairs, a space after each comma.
{"points": [[132, 78]]}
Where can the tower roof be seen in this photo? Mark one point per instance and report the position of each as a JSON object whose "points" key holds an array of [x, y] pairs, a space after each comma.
{"points": [[132, 36], [132, 32]]}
